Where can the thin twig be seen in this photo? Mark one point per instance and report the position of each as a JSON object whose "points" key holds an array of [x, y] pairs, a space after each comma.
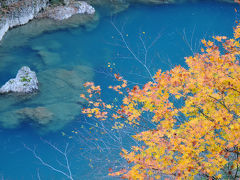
{"points": [[44, 163]]}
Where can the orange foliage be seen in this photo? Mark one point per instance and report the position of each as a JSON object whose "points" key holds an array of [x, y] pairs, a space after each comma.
{"points": [[199, 137]]}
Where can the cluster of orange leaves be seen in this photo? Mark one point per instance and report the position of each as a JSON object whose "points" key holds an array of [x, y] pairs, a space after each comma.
{"points": [[199, 137]]}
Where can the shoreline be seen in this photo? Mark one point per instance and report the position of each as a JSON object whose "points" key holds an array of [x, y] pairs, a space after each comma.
{"points": [[16, 13], [21, 12]]}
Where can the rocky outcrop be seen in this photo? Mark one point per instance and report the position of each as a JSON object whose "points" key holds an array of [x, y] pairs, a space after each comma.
{"points": [[67, 11], [25, 82], [20, 13]]}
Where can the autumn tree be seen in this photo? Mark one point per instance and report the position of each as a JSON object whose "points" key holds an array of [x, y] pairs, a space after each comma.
{"points": [[194, 114]]}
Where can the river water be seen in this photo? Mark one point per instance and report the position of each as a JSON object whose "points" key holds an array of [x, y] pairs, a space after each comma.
{"points": [[65, 59]]}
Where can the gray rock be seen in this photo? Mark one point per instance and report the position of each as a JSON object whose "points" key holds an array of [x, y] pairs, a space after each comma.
{"points": [[65, 12], [66, 2], [20, 35], [25, 82], [21, 13]]}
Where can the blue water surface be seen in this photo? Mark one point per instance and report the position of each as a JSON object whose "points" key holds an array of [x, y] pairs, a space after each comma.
{"points": [[173, 32]]}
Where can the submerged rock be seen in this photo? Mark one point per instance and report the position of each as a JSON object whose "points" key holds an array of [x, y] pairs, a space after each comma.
{"points": [[65, 12], [49, 58], [57, 104], [39, 115], [25, 82], [63, 85]]}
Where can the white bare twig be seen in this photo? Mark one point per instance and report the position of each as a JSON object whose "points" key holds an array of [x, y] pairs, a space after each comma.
{"points": [[142, 62], [38, 175], [46, 164], [190, 43]]}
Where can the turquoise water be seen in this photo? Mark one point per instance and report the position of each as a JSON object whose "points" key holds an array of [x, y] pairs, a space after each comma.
{"points": [[65, 59]]}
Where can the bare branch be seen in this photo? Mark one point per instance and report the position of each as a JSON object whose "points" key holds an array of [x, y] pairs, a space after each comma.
{"points": [[46, 164], [132, 52]]}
